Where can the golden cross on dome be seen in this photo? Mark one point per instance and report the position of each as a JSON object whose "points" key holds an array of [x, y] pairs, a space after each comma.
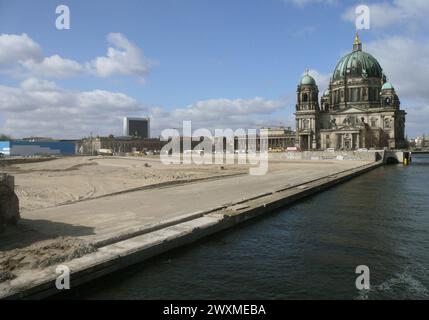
{"points": [[357, 45], [357, 39]]}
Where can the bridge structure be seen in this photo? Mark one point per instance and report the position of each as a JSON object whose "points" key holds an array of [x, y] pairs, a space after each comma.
{"points": [[404, 156], [396, 156]]}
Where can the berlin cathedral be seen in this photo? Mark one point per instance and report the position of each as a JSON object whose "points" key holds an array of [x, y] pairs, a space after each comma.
{"points": [[360, 109]]}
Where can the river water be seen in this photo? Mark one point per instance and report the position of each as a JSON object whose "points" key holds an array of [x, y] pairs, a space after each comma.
{"points": [[307, 251]]}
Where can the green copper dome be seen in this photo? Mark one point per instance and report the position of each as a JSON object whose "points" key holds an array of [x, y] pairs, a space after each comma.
{"points": [[387, 86], [308, 80], [358, 64]]}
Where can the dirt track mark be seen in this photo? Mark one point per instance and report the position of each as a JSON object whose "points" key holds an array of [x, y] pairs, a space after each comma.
{"points": [[72, 168]]}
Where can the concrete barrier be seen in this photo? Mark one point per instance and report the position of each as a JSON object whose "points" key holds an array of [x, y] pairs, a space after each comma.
{"points": [[9, 204]]}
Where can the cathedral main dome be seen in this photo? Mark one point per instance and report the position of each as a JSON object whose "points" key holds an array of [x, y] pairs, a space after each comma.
{"points": [[358, 64]]}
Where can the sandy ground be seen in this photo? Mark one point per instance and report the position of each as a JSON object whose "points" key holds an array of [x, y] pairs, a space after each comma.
{"points": [[47, 184]]}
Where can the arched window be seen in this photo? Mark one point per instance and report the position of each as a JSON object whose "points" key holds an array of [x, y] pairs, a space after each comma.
{"points": [[305, 97], [354, 95], [387, 123]]}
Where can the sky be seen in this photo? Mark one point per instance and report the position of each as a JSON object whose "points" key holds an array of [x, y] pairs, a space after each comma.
{"points": [[220, 64]]}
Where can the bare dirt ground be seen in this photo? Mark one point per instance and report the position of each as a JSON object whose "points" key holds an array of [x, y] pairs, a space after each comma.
{"points": [[46, 184], [40, 255]]}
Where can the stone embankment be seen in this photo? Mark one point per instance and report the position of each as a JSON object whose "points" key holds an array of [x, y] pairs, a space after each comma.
{"points": [[371, 155]]}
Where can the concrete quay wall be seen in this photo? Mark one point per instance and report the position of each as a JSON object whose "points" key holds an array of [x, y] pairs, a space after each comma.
{"points": [[137, 247], [334, 155]]}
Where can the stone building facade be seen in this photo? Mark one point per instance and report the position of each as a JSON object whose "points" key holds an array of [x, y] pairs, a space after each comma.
{"points": [[279, 139], [118, 145], [360, 109]]}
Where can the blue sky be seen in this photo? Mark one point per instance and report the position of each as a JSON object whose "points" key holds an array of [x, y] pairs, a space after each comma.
{"points": [[218, 63]]}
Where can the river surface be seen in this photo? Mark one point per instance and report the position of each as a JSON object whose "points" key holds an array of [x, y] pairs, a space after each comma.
{"points": [[307, 251]]}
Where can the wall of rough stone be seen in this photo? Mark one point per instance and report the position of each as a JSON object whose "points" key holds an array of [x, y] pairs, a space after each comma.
{"points": [[9, 203], [335, 155]]}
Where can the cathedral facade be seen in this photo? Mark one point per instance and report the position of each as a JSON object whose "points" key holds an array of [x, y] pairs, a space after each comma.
{"points": [[360, 109]]}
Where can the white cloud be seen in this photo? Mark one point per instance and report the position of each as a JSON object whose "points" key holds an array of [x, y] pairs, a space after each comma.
{"points": [[34, 84], [124, 58], [54, 67], [220, 113], [405, 62], [40, 107], [15, 48], [411, 13], [22, 56]]}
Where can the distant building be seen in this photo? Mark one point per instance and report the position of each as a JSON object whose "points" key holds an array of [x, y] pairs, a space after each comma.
{"points": [[360, 109], [118, 145], [24, 148], [37, 139], [421, 142], [279, 139], [136, 127]]}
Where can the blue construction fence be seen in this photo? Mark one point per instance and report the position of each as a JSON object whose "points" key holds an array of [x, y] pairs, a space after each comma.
{"points": [[16, 148]]}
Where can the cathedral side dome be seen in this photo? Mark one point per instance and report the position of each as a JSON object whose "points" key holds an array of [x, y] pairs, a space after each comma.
{"points": [[308, 80], [387, 86]]}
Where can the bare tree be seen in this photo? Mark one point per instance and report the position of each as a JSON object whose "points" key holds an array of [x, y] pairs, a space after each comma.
{"points": [[5, 137]]}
